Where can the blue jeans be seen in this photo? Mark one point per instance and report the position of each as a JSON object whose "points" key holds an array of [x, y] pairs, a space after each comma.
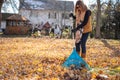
{"points": [[82, 43]]}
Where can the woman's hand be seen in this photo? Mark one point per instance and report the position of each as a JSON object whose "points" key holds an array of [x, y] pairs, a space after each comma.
{"points": [[72, 15], [74, 30], [77, 36]]}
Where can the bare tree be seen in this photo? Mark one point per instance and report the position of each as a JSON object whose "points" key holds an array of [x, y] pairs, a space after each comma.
{"points": [[98, 19], [1, 2], [23, 3]]}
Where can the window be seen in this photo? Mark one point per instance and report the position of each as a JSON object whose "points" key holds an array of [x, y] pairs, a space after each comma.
{"points": [[65, 15], [52, 15], [49, 15], [62, 15], [55, 15]]}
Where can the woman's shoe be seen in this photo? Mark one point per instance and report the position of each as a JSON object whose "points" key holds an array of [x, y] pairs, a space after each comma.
{"points": [[83, 55]]}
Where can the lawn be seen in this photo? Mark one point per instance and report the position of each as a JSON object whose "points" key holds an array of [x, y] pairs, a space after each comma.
{"points": [[23, 58]]}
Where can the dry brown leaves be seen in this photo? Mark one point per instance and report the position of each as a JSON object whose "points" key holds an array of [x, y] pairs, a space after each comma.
{"points": [[41, 58]]}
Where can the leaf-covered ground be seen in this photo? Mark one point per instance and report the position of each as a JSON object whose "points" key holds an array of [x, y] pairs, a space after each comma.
{"points": [[41, 58]]}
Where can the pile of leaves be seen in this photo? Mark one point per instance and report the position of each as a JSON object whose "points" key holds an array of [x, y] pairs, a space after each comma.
{"points": [[74, 73], [42, 59]]}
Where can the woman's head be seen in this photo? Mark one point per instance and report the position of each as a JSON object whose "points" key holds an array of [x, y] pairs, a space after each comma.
{"points": [[80, 6]]}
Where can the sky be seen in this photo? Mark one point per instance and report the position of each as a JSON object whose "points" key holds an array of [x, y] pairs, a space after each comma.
{"points": [[87, 2], [9, 7]]}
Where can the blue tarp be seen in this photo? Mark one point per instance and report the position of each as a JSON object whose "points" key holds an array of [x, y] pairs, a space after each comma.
{"points": [[75, 59]]}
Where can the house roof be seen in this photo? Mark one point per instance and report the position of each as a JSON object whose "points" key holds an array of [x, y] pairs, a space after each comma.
{"points": [[17, 17], [6, 15], [48, 5], [46, 25]]}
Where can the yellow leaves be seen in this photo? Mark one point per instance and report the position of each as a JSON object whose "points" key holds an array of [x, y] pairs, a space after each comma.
{"points": [[35, 62], [40, 65], [113, 60], [26, 62], [1, 72], [104, 64], [61, 58], [58, 68], [90, 63], [40, 69], [54, 79], [93, 75], [41, 58], [100, 72], [118, 68], [84, 70]]}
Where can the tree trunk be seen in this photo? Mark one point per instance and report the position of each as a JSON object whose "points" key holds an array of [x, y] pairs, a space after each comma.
{"points": [[98, 19], [1, 2], [21, 2]]}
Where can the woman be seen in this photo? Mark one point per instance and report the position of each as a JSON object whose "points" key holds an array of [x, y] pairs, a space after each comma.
{"points": [[83, 21]]}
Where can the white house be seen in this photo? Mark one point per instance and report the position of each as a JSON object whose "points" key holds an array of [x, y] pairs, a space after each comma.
{"points": [[40, 11], [3, 21]]}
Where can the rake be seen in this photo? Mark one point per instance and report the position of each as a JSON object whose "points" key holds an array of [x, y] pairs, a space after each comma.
{"points": [[76, 60]]}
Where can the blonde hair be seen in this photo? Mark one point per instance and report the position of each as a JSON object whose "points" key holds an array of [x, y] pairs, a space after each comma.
{"points": [[81, 4]]}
